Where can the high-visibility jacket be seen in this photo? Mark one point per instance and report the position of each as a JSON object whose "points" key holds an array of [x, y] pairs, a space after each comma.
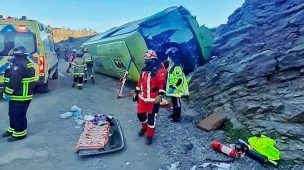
{"points": [[19, 80], [88, 59], [176, 79], [151, 83], [80, 65]]}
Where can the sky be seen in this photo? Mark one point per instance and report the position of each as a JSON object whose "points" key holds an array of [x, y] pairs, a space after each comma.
{"points": [[101, 15]]}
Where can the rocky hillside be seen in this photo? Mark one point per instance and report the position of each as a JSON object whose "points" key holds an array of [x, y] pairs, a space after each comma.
{"points": [[62, 34], [66, 40], [257, 77]]}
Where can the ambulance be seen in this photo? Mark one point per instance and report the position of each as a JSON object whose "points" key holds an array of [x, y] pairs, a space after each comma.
{"points": [[38, 40]]}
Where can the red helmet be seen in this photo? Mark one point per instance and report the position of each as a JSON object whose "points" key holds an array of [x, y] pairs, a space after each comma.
{"points": [[150, 54]]}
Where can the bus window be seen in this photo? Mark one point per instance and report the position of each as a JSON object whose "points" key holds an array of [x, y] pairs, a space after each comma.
{"points": [[26, 40], [1, 43]]}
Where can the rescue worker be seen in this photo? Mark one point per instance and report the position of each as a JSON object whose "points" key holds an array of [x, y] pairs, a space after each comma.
{"points": [[78, 66], [149, 93], [19, 92], [176, 84], [89, 69], [73, 57]]}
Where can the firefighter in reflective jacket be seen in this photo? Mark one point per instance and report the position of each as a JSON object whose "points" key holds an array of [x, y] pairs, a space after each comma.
{"points": [[78, 66], [149, 93], [89, 69], [176, 84], [19, 92]]}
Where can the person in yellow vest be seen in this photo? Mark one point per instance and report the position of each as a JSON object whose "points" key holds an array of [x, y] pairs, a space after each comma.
{"points": [[79, 66], [176, 84], [19, 86], [89, 69]]}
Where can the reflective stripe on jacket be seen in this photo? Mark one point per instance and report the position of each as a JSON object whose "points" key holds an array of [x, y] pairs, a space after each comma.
{"points": [[19, 80], [177, 79]]}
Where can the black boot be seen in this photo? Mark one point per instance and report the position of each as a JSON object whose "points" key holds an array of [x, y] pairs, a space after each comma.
{"points": [[80, 87], [13, 139], [149, 140], [85, 81], [142, 132], [93, 80], [6, 134], [73, 85]]}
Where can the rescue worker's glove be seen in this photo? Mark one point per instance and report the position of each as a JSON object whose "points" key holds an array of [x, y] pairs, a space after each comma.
{"points": [[171, 90], [6, 97], [135, 96], [158, 99]]}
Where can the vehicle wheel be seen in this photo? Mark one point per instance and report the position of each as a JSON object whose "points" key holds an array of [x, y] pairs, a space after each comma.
{"points": [[45, 88], [55, 75]]}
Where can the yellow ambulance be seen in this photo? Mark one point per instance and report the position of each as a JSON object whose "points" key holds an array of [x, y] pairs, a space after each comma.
{"points": [[38, 40]]}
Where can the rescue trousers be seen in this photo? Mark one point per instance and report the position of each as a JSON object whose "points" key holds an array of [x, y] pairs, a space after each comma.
{"points": [[177, 108], [17, 117], [89, 72], [146, 113], [78, 80]]}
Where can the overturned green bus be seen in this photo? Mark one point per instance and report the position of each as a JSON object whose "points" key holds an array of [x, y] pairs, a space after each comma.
{"points": [[174, 26]]}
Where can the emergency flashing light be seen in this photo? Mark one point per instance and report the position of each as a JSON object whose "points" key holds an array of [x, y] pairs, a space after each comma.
{"points": [[22, 28], [23, 17]]}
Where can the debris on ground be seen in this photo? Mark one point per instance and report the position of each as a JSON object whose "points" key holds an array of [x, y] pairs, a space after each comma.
{"points": [[76, 112], [194, 167], [88, 117], [66, 115], [173, 166], [211, 122], [221, 166]]}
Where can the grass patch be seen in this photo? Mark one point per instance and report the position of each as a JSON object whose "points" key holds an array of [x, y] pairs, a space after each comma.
{"points": [[232, 135]]}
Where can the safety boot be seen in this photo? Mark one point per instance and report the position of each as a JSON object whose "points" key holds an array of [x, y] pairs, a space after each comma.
{"points": [[73, 85], [85, 81], [149, 140], [6, 134], [93, 80], [13, 139], [142, 132], [80, 87]]}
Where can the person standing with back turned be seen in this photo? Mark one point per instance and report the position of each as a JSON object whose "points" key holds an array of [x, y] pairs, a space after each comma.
{"points": [[19, 86], [89, 62]]}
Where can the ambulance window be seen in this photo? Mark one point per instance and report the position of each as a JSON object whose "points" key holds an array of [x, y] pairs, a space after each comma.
{"points": [[26, 40], [1, 43], [46, 44], [52, 48]]}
